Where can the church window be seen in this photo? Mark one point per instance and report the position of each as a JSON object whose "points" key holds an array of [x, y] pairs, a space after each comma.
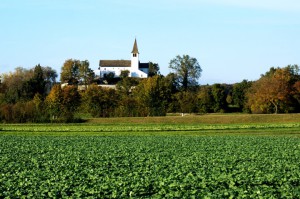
{"points": [[134, 54]]}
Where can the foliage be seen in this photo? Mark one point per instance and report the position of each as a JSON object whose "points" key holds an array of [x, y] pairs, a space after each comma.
{"points": [[98, 101], [152, 96], [109, 77], [187, 101], [124, 74], [205, 100], [23, 84], [239, 94], [187, 69], [28, 95], [272, 92], [70, 102], [70, 72], [219, 95], [86, 74], [153, 69], [53, 102]]}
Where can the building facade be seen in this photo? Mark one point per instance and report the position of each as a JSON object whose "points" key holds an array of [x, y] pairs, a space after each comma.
{"points": [[135, 68]]}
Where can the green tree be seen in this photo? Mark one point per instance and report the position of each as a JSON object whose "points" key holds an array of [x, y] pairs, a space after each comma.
{"points": [[99, 102], [187, 101], [239, 94], [50, 76], [152, 96], [109, 77], [36, 84], [219, 95], [205, 99], [86, 74], [124, 74], [127, 104], [187, 69], [153, 69], [14, 83]]}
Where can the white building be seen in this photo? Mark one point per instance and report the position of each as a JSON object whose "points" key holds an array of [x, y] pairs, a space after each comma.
{"points": [[135, 68]]}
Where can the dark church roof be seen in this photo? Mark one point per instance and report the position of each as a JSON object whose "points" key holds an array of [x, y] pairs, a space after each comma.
{"points": [[135, 48], [144, 65], [115, 63]]}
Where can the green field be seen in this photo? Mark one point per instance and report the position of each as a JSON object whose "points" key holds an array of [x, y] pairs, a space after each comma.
{"points": [[234, 156]]}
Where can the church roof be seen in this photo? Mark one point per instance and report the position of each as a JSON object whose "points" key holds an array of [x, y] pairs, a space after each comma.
{"points": [[115, 63], [135, 48], [144, 65]]}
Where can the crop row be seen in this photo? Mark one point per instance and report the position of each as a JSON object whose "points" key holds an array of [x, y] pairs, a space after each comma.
{"points": [[139, 127], [149, 167]]}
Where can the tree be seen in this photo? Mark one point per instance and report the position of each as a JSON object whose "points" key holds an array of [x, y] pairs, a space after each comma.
{"points": [[272, 91], [109, 77], [53, 102], [70, 72], [13, 84], [70, 102], [50, 76], [152, 96], [219, 95], [36, 84], [187, 70], [153, 69], [86, 74], [187, 101], [205, 99], [239, 93], [127, 104], [124, 74], [98, 101]]}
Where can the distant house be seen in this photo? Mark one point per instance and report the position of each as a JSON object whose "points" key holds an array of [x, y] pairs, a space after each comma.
{"points": [[135, 68]]}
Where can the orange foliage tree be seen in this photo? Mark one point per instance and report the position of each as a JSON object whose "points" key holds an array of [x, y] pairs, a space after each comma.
{"points": [[271, 90]]}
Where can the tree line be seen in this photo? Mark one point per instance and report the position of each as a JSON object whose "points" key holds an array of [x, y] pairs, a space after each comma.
{"points": [[33, 95]]}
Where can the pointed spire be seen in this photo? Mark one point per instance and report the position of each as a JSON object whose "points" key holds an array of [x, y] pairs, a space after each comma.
{"points": [[135, 48]]}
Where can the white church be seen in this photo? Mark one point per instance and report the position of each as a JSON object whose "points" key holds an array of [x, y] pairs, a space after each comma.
{"points": [[135, 68]]}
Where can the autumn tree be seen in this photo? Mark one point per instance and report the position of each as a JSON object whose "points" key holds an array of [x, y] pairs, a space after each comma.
{"points": [[272, 91], [53, 102], [70, 102], [187, 69], [70, 72]]}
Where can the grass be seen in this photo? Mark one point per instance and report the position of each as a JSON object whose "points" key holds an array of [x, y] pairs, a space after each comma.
{"points": [[204, 119], [193, 125]]}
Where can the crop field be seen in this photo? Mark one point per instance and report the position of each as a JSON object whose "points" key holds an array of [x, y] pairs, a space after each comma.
{"points": [[150, 160]]}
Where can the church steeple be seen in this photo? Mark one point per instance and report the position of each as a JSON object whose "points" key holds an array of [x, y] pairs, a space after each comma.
{"points": [[135, 58], [135, 48]]}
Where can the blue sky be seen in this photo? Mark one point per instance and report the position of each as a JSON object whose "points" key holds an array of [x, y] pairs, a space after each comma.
{"points": [[231, 39]]}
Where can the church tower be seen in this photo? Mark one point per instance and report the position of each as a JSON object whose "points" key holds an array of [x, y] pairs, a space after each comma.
{"points": [[135, 57]]}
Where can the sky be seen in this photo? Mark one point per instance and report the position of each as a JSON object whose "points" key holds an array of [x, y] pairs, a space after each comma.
{"points": [[232, 40]]}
